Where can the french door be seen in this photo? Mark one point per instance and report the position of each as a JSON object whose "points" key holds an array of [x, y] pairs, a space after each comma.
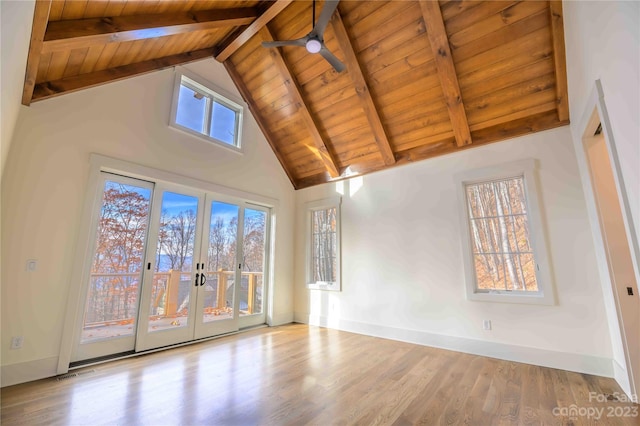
{"points": [[233, 292], [169, 289], [170, 264]]}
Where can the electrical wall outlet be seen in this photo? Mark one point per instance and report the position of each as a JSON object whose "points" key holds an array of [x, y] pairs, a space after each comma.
{"points": [[486, 325], [16, 342]]}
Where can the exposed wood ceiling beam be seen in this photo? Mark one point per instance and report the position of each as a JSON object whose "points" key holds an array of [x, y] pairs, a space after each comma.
{"points": [[559, 59], [362, 89], [507, 130], [75, 34], [516, 115], [446, 70], [248, 98], [523, 126], [446, 143], [84, 81], [296, 94], [40, 19], [262, 20]]}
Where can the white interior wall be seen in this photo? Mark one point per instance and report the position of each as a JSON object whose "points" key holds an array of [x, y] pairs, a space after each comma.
{"points": [[603, 42], [44, 186], [402, 268], [15, 31]]}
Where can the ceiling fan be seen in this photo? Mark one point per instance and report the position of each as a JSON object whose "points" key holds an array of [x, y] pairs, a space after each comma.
{"points": [[314, 41]]}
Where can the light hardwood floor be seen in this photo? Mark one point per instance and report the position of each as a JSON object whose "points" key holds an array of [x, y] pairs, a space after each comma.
{"points": [[296, 374]]}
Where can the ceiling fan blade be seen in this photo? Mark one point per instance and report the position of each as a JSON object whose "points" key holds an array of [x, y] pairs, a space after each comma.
{"points": [[331, 58], [325, 16], [299, 42]]}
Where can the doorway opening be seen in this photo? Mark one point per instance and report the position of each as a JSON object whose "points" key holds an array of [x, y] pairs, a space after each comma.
{"points": [[616, 231], [164, 260]]}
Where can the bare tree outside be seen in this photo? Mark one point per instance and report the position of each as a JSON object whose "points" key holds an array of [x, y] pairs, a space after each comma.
{"points": [[253, 242], [324, 245], [232, 237], [222, 261], [218, 242], [174, 260], [499, 227], [117, 263], [253, 260], [177, 243]]}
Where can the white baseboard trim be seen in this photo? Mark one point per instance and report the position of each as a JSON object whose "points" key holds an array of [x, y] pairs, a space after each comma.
{"points": [[22, 372], [579, 363], [39, 369], [281, 319], [621, 375]]}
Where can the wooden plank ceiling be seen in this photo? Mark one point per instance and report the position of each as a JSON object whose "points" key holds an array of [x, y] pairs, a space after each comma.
{"points": [[422, 78]]}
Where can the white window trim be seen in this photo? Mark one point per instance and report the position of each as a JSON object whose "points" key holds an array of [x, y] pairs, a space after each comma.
{"points": [[526, 168], [310, 208], [200, 84]]}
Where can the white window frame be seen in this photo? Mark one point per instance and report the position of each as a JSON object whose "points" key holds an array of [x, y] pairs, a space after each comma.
{"points": [[526, 169], [214, 94], [327, 203]]}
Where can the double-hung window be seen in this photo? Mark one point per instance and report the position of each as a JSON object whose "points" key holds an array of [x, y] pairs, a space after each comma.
{"points": [[504, 247], [199, 110], [323, 246]]}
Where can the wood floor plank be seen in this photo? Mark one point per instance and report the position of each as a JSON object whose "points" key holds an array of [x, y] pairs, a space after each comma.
{"points": [[454, 412], [475, 402], [298, 374]]}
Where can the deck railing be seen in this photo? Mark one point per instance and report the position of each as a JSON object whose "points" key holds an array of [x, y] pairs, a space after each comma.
{"points": [[113, 298]]}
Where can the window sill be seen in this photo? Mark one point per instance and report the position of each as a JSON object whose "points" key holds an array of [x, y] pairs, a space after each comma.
{"points": [[324, 286], [510, 297], [202, 137]]}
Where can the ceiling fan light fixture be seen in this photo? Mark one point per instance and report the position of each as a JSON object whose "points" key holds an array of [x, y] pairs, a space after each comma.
{"points": [[313, 45], [314, 41]]}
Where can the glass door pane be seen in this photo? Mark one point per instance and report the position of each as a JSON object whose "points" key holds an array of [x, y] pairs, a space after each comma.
{"points": [[253, 262], [174, 263], [112, 298], [217, 298], [219, 290]]}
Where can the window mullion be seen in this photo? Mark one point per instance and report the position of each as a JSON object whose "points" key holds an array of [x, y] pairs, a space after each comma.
{"points": [[224, 129], [208, 115]]}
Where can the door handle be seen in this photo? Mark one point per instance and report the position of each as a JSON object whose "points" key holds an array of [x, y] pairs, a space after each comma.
{"points": [[203, 279], [197, 276]]}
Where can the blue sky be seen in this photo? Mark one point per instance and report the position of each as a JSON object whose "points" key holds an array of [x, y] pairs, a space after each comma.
{"points": [[223, 210], [173, 204], [190, 110], [191, 114], [223, 123]]}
